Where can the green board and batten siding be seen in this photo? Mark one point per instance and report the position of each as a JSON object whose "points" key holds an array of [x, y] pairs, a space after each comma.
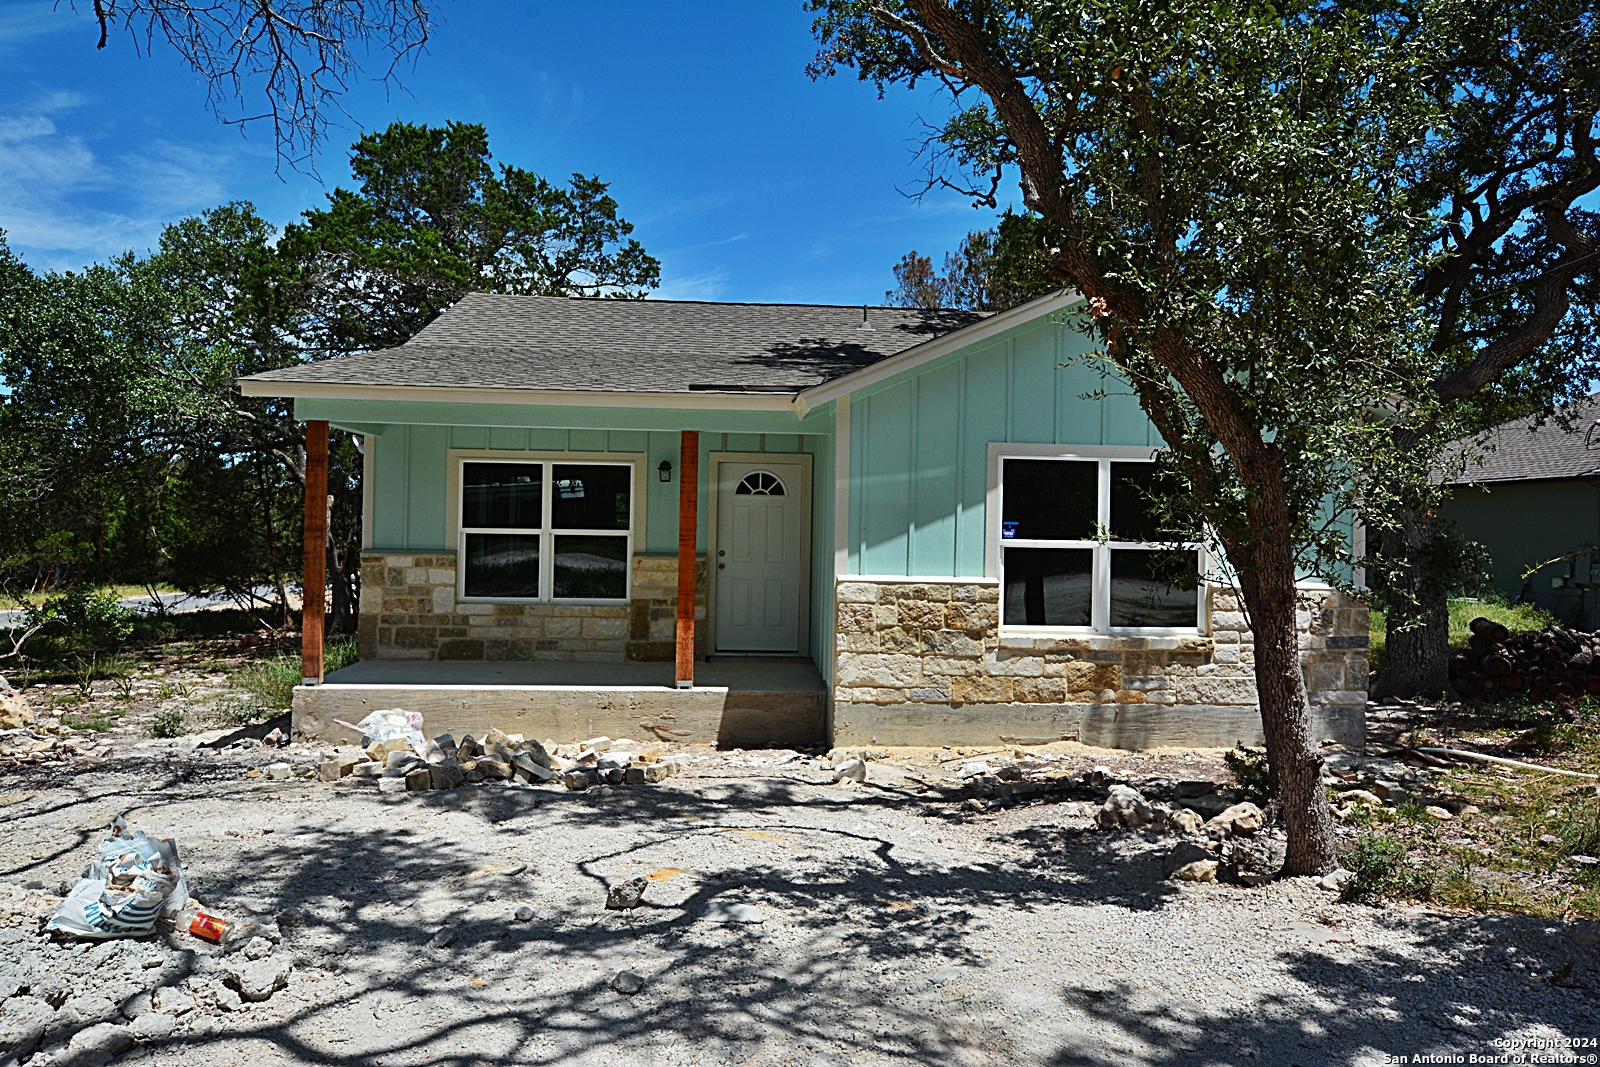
{"points": [[920, 442]]}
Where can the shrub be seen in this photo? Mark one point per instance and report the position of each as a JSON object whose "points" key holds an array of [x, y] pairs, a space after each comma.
{"points": [[1249, 769], [239, 711], [1378, 864], [168, 722], [83, 619]]}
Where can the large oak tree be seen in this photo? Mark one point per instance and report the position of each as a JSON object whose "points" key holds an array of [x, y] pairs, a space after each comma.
{"points": [[1214, 178]]}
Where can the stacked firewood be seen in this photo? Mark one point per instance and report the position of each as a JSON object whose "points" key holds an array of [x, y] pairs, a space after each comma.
{"points": [[1542, 665]]}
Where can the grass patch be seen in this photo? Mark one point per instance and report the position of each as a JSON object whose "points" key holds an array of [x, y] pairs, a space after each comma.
{"points": [[1526, 850], [1462, 612], [273, 680], [98, 721]]}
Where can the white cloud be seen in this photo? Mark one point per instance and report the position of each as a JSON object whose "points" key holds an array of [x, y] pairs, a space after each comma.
{"points": [[22, 23], [708, 285], [63, 206]]}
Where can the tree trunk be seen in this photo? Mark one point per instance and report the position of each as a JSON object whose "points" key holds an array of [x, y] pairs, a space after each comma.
{"points": [[1268, 585], [1417, 624]]}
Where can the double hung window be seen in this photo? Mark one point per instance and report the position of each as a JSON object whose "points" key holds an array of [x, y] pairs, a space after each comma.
{"points": [[546, 530], [1083, 547]]}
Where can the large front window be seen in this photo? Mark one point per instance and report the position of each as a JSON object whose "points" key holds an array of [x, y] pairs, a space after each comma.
{"points": [[546, 530], [1083, 546]]}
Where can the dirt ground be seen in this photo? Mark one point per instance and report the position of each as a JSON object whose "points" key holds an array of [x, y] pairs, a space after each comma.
{"points": [[886, 922]]}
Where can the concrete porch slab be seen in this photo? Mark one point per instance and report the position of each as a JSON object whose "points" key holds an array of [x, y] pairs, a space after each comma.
{"points": [[747, 702]]}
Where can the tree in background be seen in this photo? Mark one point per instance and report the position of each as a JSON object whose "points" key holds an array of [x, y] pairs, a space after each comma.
{"points": [[991, 271], [134, 458], [296, 58], [1511, 284], [435, 217], [1215, 179]]}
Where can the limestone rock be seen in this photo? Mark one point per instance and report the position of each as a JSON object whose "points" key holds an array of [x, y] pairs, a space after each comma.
{"points": [[493, 767], [625, 895], [524, 913], [1190, 863], [576, 781], [447, 773], [391, 785], [1437, 812], [14, 710], [1243, 818], [1391, 792], [1207, 804], [1184, 821], [1337, 880], [1125, 809], [419, 779], [627, 983]]}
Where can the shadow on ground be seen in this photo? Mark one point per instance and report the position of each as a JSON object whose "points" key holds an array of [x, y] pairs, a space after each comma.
{"points": [[537, 991]]}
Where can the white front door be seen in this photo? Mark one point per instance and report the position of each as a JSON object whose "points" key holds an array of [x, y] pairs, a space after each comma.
{"points": [[758, 557]]}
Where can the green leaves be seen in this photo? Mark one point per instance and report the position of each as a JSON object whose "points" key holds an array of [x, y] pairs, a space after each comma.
{"points": [[435, 218]]}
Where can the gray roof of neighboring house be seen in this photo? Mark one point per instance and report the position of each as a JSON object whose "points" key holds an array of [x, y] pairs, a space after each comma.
{"points": [[500, 341], [1514, 452]]}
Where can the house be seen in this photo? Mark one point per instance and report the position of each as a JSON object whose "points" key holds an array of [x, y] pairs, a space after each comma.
{"points": [[784, 524], [1530, 495]]}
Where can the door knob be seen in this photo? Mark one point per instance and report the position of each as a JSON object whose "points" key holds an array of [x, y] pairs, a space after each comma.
{"points": [[721, 552]]}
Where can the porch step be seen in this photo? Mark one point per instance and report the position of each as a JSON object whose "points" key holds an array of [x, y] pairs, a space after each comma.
{"points": [[789, 711]]}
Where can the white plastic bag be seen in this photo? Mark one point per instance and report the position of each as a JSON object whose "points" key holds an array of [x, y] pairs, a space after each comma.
{"points": [[133, 883], [390, 723]]}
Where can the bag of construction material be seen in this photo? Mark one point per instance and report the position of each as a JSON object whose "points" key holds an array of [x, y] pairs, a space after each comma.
{"points": [[133, 883], [388, 724]]}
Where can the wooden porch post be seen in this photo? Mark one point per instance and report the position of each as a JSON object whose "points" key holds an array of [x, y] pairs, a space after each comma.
{"points": [[312, 608], [688, 505]]}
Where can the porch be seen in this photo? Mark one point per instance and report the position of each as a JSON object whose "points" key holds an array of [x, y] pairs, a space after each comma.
{"points": [[743, 701]]}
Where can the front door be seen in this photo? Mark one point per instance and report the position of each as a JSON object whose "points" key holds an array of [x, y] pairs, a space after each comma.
{"points": [[758, 557]]}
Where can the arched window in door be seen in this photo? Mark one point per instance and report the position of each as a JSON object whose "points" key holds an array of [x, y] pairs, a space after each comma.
{"points": [[760, 483]]}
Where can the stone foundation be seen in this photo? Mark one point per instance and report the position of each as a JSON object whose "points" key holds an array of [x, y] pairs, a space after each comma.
{"points": [[409, 610], [925, 663]]}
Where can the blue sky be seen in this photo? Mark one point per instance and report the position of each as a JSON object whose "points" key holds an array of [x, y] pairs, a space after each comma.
{"points": [[745, 178]]}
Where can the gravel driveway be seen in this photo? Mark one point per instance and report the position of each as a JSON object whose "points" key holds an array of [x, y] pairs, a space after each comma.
{"points": [[895, 928]]}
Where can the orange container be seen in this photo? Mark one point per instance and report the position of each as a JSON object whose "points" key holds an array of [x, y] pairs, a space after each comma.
{"points": [[208, 926]]}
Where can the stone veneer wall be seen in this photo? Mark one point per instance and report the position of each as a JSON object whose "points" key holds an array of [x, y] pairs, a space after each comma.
{"points": [[409, 611], [922, 662]]}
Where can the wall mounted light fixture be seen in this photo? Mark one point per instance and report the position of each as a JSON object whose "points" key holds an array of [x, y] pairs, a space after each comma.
{"points": [[665, 470]]}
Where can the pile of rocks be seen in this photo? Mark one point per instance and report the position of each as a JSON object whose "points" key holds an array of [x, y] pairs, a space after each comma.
{"points": [[399, 765], [1197, 810], [1356, 787], [23, 747]]}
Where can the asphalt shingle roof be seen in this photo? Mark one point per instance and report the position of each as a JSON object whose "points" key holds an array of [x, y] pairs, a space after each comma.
{"points": [[499, 341], [1512, 452]]}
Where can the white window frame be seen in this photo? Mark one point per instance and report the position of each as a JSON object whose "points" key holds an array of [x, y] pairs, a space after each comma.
{"points": [[1100, 611], [545, 532]]}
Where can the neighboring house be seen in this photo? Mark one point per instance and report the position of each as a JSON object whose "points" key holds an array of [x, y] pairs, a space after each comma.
{"points": [[1534, 502], [901, 509]]}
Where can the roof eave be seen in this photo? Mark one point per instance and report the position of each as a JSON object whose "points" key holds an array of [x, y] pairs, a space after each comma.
{"points": [[970, 334], [684, 401]]}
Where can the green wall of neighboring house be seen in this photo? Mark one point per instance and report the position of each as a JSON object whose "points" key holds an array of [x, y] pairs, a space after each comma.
{"points": [[920, 441], [1526, 523]]}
